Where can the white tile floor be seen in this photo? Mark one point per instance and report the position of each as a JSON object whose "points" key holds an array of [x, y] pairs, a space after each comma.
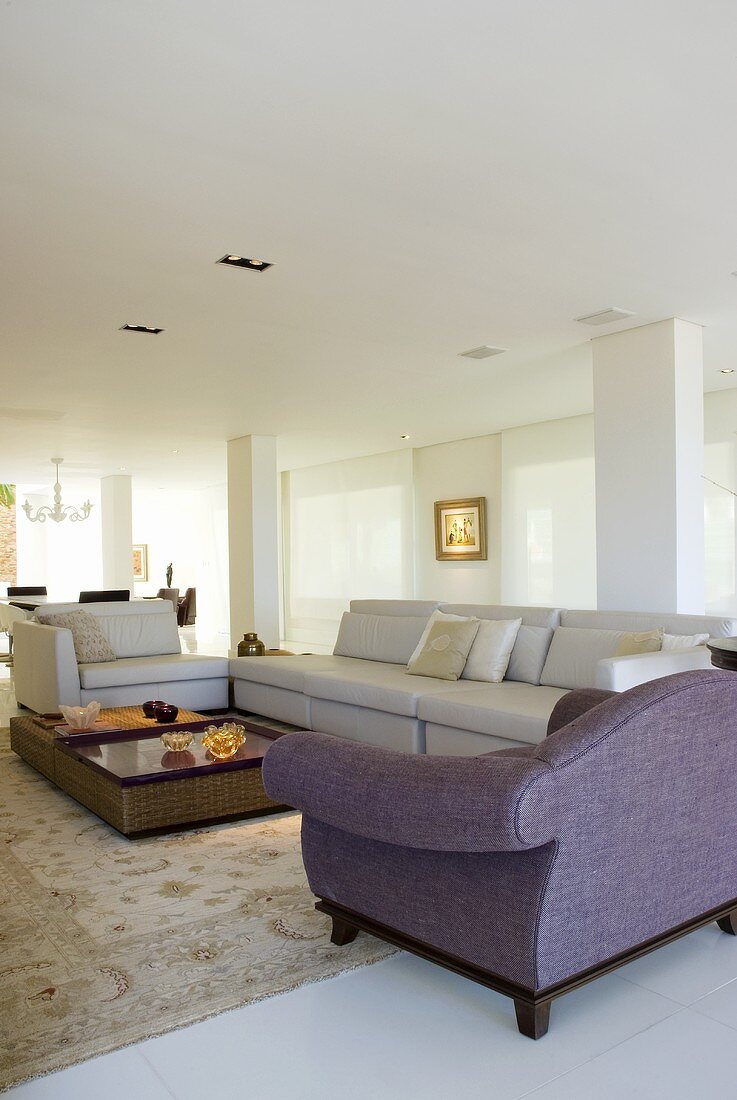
{"points": [[663, 1027]]}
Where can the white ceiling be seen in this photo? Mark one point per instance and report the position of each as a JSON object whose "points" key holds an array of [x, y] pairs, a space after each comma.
{"points": [[424, 177]]}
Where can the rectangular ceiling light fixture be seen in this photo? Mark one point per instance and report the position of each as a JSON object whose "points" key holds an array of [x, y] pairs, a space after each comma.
{"points": [[605, 316], [483, 352], [141, 328], [243, 261]]}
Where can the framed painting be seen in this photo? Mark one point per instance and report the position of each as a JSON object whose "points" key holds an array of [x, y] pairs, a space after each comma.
{"points": [[140, 562], [460, 529]]}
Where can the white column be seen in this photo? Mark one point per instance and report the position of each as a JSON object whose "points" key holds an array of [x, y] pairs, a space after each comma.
{"points": [[649, 427], [117, 531], [253, 540]]}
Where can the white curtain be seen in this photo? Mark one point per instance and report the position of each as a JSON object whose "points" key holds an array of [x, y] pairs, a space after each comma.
{"points": [[549, 514], [347, 531]]}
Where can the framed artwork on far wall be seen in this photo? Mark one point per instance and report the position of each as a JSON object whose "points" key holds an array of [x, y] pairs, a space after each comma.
{"points": [[140, 562], [460, 529]]}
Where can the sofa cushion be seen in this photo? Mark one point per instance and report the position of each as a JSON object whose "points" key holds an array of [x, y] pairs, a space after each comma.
{"points": [[530, 616], [445, 649], [674, 623], [287, 672], [378, 686], [489, 655], [388, 638], [533, 638], [152, 670], [437, 616], [643, 641], [684, 641], [529, 654], [90, 644], [574, 654], [141, 635], [138, 628], [414, 609], [517, 711]]}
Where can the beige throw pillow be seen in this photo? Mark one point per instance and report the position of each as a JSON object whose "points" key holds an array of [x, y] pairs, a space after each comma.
{"points": [[90, 644], [647, 641], [445, 650], [436, 617], [491, 650]]}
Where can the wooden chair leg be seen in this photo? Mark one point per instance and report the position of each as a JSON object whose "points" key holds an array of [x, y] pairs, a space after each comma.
{"points": [[532, 1020], [729, 923], [343, 932]]}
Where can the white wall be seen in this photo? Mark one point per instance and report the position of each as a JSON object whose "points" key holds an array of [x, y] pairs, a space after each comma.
{"points": [[66, 556], [549, 514], [189, 529], [449, 471], [720, 514]]}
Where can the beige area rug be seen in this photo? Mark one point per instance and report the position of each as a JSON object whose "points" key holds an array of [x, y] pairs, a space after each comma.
{"points": [[106, 941]]}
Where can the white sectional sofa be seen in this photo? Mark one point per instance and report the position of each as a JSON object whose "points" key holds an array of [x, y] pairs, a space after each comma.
{"points": [[363, 691], [149, 663]]}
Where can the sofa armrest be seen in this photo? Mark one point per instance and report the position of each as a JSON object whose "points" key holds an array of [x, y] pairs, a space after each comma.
{"points": [[441, 803], [573, 705], [45, 667], [621, 673]]}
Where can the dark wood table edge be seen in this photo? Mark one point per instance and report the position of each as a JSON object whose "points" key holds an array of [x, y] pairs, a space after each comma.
{"points": [[69, 743]]}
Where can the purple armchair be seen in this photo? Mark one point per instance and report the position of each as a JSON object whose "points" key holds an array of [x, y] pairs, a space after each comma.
{"points": [[531, 870]]}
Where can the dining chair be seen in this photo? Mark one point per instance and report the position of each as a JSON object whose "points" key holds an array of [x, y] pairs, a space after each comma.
{"points": [[105, 596], [9, 616], [171, 594], [187, 610], [37, 590]]}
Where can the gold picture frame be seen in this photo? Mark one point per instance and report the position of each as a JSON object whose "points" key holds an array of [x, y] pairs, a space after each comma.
{"points": [[140, 562], [460, 529]]}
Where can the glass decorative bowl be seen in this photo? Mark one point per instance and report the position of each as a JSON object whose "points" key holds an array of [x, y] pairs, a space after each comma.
{"points": [[223, 742], [177, 740], [80, 719]]}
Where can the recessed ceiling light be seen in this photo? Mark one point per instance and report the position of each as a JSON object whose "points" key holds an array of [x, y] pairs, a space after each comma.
{"points": [[482, 352], [175, 452], [243, 261], [727, 370], [122, 467], [605, 316], [141, 328], [404, 437]]}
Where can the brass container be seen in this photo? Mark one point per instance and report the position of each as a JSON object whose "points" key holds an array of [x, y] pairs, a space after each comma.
{"points": [[251, 646], [177, 740]]}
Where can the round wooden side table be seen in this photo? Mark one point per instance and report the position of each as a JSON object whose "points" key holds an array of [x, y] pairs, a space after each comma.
{"points": [[724, 653]]}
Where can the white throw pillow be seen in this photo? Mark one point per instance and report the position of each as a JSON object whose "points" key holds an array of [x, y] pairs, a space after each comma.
{"points": [[491, 650], [684, 641], [437, 616]]}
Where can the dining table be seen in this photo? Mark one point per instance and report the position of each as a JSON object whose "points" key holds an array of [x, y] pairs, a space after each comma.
{"points": [[31, 603]]}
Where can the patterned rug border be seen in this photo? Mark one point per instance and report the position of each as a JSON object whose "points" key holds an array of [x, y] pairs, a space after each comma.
{"points": [[198, 1019]]}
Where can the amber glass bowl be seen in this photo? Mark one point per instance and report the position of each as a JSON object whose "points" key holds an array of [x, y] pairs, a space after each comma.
{"points": [[223, 742]]}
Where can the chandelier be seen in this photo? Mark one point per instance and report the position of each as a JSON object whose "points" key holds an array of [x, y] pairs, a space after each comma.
{"points": [[59, 511]]}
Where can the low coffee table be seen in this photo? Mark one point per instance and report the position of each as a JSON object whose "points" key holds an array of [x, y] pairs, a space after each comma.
{"points": [[130, 780]]}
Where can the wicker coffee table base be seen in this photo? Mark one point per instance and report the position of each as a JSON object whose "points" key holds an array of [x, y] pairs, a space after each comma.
{"points": [[147, 807], [153, 807]]}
